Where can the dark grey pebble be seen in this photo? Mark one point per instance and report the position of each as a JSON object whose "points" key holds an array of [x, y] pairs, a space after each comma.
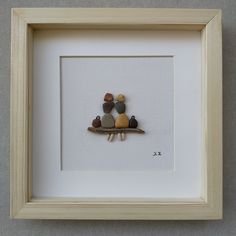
{"points": [[120, 107], [133, 123]]}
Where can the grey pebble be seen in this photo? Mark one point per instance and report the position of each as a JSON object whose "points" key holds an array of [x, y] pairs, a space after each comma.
{"points": [[108, 121], [120, 107]]}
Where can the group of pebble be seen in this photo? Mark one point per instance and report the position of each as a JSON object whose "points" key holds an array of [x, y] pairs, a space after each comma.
{"points": [[108, 121]]}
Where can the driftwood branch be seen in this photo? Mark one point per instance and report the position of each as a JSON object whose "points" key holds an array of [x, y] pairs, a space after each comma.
{"points": [[115, 130]]}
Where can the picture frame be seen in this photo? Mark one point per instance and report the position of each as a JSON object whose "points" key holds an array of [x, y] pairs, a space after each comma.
{"points": [[24, 22]]}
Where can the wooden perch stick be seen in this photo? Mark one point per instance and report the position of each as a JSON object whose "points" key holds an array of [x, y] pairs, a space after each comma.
{"points": [[115, 130]]}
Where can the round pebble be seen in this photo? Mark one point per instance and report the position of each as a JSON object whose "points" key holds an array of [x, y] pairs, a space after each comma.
{"points": [[108, 106], [96, 122], [122, 121], [120, 107], [133, 123], [108, 121], [108, 97], [120, 98]]}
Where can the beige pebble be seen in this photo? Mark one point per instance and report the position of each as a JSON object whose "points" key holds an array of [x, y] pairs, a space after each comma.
{"points": [[122, 136], [111, 137], [120, 98], [122, 121], [119, 136]]}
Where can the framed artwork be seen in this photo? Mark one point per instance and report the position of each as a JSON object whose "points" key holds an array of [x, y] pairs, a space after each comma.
{"points": [[116, 113]]}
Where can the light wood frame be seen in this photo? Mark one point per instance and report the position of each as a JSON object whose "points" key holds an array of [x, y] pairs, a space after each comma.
{"points": [[24, 22]]}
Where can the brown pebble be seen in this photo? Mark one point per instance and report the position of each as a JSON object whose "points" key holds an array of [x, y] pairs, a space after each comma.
{"points": [[108, 97], [108, 106], [96, 122]]}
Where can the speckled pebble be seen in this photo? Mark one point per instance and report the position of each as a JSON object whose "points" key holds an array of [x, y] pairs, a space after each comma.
{"points": [[120, 98]]}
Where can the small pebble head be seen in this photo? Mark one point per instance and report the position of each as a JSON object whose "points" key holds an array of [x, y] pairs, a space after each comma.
{"points": [[120, 98], [108, 97]]}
